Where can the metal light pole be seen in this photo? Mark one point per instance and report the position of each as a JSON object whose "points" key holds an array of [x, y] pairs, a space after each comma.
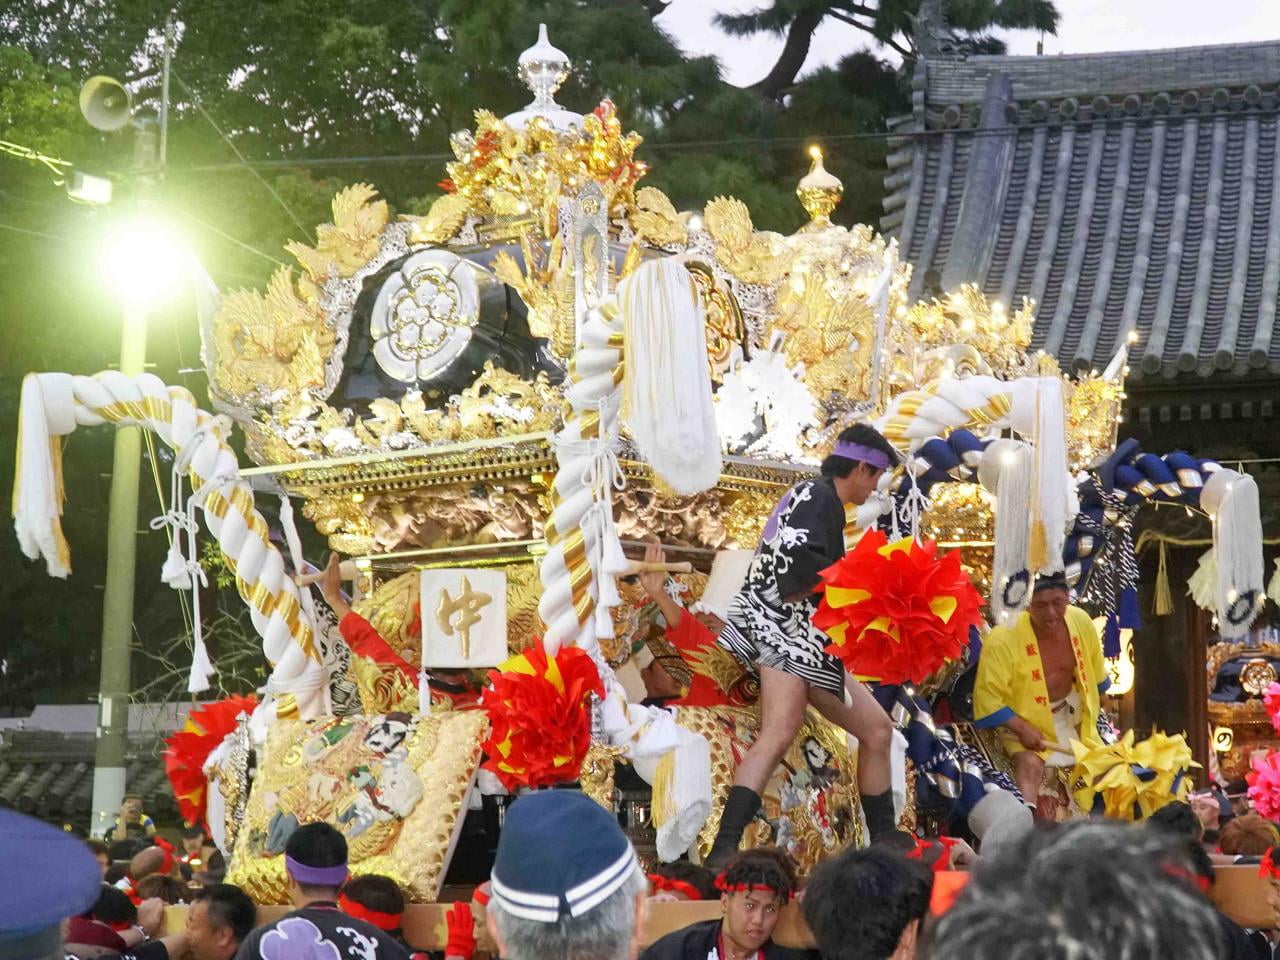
{"points": [[122, 524]]}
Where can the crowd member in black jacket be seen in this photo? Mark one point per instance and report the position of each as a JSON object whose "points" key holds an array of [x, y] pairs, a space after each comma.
{"points": [[315, 861], [754, 888]]}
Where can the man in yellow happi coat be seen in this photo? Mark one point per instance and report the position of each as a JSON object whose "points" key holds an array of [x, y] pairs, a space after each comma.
{"points": [[1040, 680]]}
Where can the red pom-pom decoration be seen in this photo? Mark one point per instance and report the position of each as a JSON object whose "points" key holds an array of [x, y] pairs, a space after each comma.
{"points": [[187, 750], [896, 612], [539, 716]]}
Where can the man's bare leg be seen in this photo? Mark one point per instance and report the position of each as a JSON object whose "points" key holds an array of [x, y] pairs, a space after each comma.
{"points": [[1028, 774], [783, 699], [866, 720], [782, 704]]}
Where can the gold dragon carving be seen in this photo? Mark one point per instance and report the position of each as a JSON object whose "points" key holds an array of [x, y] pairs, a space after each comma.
{"points": [[266, 342], [351, 240], [753, 256]]}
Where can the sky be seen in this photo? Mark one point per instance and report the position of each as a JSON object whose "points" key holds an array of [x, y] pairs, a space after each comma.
{"points": [[1087, 26]]}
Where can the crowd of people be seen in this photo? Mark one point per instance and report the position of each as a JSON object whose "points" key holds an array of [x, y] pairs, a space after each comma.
{"points": [[567, 885]]}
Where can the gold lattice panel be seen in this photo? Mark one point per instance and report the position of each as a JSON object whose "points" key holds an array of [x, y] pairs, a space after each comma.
{"points": [[325, 770]]}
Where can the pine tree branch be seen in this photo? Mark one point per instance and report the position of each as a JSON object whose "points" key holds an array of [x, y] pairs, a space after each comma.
{"points": [[849, 13], [794, 53]]}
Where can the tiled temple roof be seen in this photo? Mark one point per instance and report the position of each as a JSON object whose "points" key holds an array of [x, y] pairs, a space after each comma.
{"points": [[50, 775], [1128, 191]]}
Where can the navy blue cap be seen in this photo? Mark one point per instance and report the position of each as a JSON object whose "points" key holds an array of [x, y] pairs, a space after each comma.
{"points": [[560, 854], [51, 875]]}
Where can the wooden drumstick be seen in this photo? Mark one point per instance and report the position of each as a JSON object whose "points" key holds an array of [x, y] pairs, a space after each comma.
{"points": [[642, 566], [346, 569]]}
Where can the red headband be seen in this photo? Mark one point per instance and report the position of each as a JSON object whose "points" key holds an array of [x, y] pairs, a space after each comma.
{"points": [[944, 859], [383, 921], [1268, 867], [167, 847], [659, 882], [725, 887], [1200, 882]]}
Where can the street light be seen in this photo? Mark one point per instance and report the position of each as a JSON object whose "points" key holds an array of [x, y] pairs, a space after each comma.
{"points": [[144, 261]]}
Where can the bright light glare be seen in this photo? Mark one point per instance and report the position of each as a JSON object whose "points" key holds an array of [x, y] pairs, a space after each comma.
{"points": [[143, 260]]}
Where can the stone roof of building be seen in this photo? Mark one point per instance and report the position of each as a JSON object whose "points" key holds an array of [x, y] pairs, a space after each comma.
{"points": [[1121, 192]]}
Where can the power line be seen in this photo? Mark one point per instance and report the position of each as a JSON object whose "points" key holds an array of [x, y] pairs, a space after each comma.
{"points": [[895, 136], [33, 233], [226, 236], [239, 156]]}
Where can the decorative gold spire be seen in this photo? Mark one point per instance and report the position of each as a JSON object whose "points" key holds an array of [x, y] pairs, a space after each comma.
{"points": [[819, 192]]}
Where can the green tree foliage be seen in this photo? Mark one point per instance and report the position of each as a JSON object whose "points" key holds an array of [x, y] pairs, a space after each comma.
{"points": [[319, 94]]}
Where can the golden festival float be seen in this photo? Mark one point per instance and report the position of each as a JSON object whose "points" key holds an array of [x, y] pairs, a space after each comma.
{"points": [[490, 409]]}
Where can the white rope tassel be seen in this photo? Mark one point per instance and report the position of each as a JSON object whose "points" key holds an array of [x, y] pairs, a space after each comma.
{"points": [[1005, 472], [1039, 412], [668, 405], [1231, 498]]}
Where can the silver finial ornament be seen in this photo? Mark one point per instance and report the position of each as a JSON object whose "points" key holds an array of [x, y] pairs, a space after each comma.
{"points": [[543, 68]]}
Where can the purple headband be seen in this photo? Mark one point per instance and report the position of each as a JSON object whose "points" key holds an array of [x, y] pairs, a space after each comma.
{"points": [[868, 455], [316, 876]]}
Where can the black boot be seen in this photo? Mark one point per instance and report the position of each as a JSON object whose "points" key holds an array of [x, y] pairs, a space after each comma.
{"points": [[878, 809], [739, 810]]}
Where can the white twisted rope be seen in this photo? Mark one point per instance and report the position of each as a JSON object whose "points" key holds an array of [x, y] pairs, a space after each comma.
{"points": [[275, 607]]}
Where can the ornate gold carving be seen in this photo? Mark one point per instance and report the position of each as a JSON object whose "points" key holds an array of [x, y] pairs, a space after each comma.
{"points": [[688, 521], [457, 514], [829, 327], [545, 285], [441, 223], [750, 255], [311, 771], [263, 343], [524, 590], [518, 174], [391, 609], [656, 221], [965, 318], [1093, 411], [597, 775], [498, 403], [351, 241], [342, 522], [744, 516], [466, 606], [384, 689], [725, 328]]}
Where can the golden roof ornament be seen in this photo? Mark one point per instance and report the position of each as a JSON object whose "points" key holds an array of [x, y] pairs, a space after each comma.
{"points": [[819, 192], [543, 68]]}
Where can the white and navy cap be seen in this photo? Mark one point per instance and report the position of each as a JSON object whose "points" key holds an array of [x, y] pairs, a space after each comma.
{"points": [[560, 854]]}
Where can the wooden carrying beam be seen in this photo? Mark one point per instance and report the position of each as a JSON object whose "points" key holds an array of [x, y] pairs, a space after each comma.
{"points": [[1239, 892]]}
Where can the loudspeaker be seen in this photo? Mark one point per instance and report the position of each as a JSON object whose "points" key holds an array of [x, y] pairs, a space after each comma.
{"points": [[104, 103]]}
